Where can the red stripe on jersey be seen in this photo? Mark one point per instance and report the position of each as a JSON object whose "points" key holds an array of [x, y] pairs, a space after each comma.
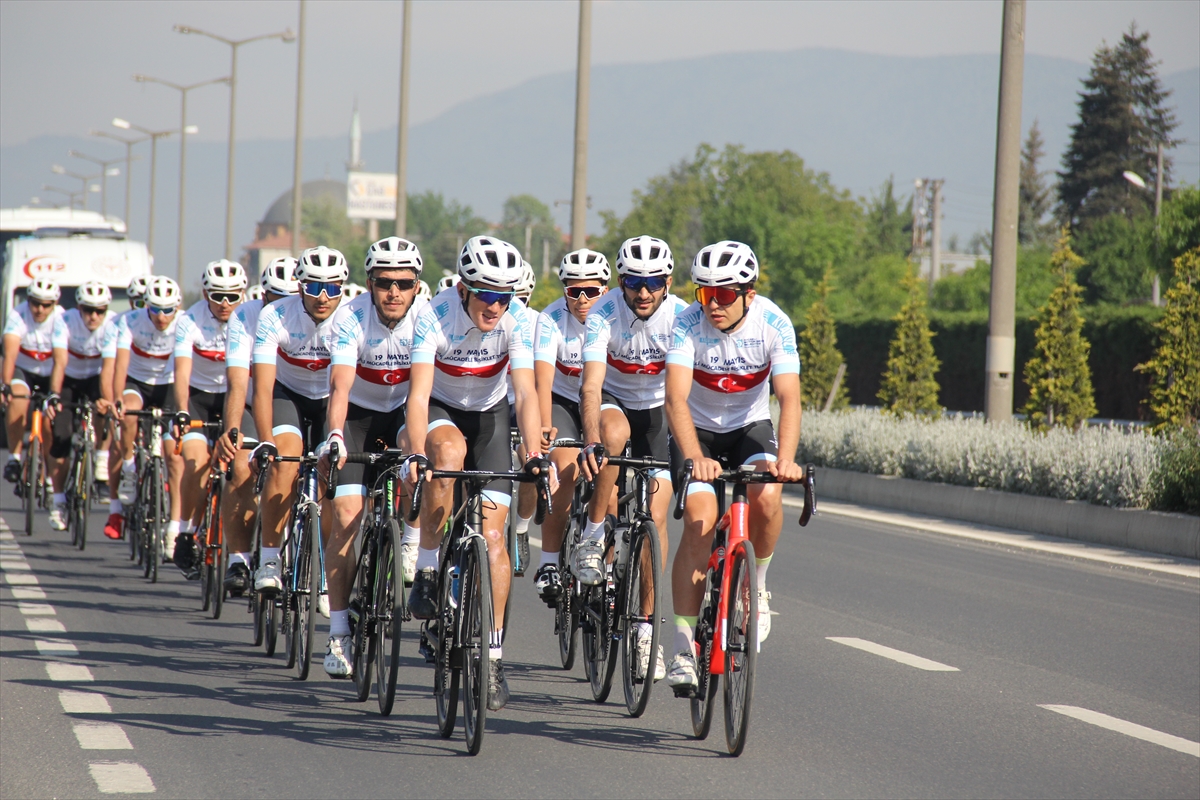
{"points": [[571, 372], [144, 354], [211, 355], [81, 355], [726, 382], [653, 368], [383, 377], [36, 355], [460, 371], [310, 364]]}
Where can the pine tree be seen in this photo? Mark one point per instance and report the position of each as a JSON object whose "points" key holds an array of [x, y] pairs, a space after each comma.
{"points": [[1058, 375], [819, 354], [1034, 194], [889, 228], [909, 385], [1175, 368], [1122, 119]]}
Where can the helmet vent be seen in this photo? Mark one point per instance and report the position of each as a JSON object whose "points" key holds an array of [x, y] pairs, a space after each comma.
{"points": [[725, 257], [491, 257], [636, 251], [704, 259], [654, 251]]}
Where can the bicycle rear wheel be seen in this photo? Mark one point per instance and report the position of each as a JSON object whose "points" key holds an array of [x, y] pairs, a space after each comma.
{"points": [[566, 613], [445, 671], [741, 650], [706, 690], [288, 598], [270, 615], [216, 552], [308, 581], [476, 636], [72, 494], [389, 611], [641, 582], [597, 605], [83, 497]]}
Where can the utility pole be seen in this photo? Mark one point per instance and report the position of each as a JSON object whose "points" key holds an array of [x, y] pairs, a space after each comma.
{"points": [[298, 166], [402, 134], [935, 243], [545, 258], [918, 218], [1001, 341], [583, 80], [1156, 289], [528, 242]]}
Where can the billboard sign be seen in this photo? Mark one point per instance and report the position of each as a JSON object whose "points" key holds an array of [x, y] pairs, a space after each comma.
{"points": [[371, 195]]}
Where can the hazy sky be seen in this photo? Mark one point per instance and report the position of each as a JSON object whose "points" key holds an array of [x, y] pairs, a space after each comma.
{"points": [[66, 66]]}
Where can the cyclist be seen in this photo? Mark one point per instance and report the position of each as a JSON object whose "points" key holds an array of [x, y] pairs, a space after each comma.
{"points": [[423, 292], [458, 413], [35, 359], [144, 372], [114, 528], [723, 350], [526, 492], [89, 325], [291, 389], [238, 505], [561, 330], [621, 399], [446, 282], [200, 339], [368, 386]]}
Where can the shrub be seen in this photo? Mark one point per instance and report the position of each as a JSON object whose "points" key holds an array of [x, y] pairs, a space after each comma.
{"points": [[909, 385]]}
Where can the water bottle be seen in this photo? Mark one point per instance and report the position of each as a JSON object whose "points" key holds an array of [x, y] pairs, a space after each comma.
{"points": [[454, 587]]}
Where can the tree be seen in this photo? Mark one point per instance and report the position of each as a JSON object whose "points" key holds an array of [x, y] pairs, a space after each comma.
{"points": [[1175, 368], [1058, 375], [1035, 199], [1178, 226], [1118, 255], [1122, 119], [439, 229], [909, 385], [819, 355], [325, 223], [888, 228]]}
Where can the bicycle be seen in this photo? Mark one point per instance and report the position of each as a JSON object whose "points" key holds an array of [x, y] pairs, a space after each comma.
{"points": [[151, 510], [465, 619], [517, 544], [727, 628], [32, 486], [81, 478], [379, 605], [210, 533]]}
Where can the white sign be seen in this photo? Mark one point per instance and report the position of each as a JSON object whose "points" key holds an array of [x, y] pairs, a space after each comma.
{"points": [[371, 195]]}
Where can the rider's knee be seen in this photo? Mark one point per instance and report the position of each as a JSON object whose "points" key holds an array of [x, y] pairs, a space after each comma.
{"points": [[449, 452]]}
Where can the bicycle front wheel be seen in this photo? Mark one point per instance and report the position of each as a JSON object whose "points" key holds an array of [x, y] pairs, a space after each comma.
{"points": [[566, 614], [308, 582], [33, 481], [476, 638], [741, 649], [445, 671], [83, 497], [158, 526], [706, 690], [640, 607], [389, 616], [363, 628]]}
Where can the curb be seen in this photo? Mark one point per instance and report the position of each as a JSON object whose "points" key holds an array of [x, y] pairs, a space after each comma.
{"points": [[1134, 529]]}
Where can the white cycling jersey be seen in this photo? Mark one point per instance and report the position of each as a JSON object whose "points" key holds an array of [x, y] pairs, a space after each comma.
{"points": [[730, 371], [108, 348], [85, 348], [560, 342], [298, 347], [635, 349], [531, 318], [470, 364], [202, 337], [239, 339], [381, 356], [151, 351], [35, 354]]}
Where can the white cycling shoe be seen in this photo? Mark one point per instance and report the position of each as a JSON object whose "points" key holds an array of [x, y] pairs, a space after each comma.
{"points": [[589, 562], [58, 517], [682, 675], [323, 605], [100, 466], [764, 615], [408, 561], [267, 579], [127, 488], [643, 653], [338, 662]]}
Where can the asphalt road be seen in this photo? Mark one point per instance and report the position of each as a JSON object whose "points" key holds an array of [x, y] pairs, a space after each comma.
{"points": [[110, 683]]}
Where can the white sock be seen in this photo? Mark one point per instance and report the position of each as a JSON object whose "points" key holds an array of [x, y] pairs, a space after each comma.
{"points": [[411, 535], [594, 530], [495, 649], [427, 559], [270, 554], [115, 507], [522, 524], [173, 528], [186, 526], [60, 498], [339, 623], [128, 465], [760, 571], [239, 558], [549, 558], [685, 633], [645, 629]]}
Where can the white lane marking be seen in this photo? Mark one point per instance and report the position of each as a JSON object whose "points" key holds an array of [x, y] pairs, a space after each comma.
{"points": [[20, 579], [83, 702], [9, 546], [36, 609], [68, 673], [101, 736], [1091, 552], [14, 565], [43, 625], [5, 534], [27, 594], [121, 777], [1128, 728], [893, 654], [53, 647]]}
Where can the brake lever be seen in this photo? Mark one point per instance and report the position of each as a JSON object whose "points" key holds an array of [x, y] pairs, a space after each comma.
{"points": [[681, 498]]}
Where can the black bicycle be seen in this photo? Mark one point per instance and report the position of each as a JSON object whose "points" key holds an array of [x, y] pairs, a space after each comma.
{"points": [[151, 511], [81, 478]]}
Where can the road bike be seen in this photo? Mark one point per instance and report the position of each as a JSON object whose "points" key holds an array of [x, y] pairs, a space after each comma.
{"points": [[726, 637], [210, 533], [81, 478], [32, 485], [151, 508]]}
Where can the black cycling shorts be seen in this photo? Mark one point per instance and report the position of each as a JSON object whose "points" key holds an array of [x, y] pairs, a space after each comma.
{"points": [[366, 431], [74, 390], [299, 415], [649, 436], [153, 395], [489, 443], [752, 443], [36, 383], [564, 415], [205, 407]]}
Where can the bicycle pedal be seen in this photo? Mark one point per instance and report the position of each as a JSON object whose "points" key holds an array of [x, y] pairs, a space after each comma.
{"points": [[689, 692]]}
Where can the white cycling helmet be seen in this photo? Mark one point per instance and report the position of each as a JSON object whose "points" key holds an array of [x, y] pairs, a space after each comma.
{"points": [[491, 261], [93, 294], [584, 265], [255, 292], [394, 253], [446, 282], [279, 277], [44, 290], [352, 290], [137, 287], [645, 257], [163, 292], [528, 280], [725, 264], [224, 276], [423, 291], [322, 264]]}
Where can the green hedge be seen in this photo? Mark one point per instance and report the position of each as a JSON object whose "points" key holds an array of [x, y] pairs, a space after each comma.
{"points": [[1121, 338]]}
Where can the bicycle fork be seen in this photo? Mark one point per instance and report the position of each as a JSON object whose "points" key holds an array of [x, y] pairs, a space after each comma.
{"points": [[734, 520]]}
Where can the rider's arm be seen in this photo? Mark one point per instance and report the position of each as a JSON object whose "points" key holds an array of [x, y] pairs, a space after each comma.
{"points": [[237, 381], [543, 375], [108, 366], [183, 376], [263, 408], [589, 399], [679, 416], [12, 344], [787, 389], [120, 372], [341, 378], [529, 419], [343, 359], [59, 370], [417, 408]]}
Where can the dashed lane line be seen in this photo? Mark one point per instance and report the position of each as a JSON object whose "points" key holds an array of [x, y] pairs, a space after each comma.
{"points": [[74, 702], [121, 777], [101, 736], [55, 647], [43, 625], [895, 655], [20, 579], [68, 673], [22, 593], [36, 609], [1128, 728]]}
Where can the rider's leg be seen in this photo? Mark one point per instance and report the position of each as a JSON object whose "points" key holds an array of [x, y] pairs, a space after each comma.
{"points": [[691, 560], [494, 515], [339, 547], [614, 433], [279, 489], [132, 401], [556, 521], [447, 449], [238, 508], [192, 482], [174, 481], [14, 418]]}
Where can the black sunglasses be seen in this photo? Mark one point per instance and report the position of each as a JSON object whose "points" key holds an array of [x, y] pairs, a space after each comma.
{"points": [[92, 310], [635, 284], [386, 284]]}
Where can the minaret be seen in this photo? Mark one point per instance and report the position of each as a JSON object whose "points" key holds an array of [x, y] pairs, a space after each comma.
{"points": [[355, 163]]}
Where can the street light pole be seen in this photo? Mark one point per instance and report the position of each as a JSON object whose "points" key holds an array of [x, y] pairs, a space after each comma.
{"points": [[183, 132], [583, 80], [402, 135], [154, 136], [234, 44], [298, 165], [59, 169], [129, 143], [104, 173]]}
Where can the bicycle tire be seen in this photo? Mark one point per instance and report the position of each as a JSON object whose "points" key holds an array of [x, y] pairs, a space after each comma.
{"points": [[390, 608], [84, 497], [270, 622], [566, 612], [72, 496], [218, 568], [445, 672], [33, 456], [643, 543], [475, 644], [133, 525], [599, 647], [741, 649], [256, 609], [289, 557], [253, 597], [364, 629], [706, 690], [310, 574], [159, 530]]}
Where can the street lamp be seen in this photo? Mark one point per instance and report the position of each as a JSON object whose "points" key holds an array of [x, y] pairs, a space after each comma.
{"points": [[153, 136], [1138, 181], [129, 143], [183, 93], [70, 195], [287, 36], [105, 172], [59, 169]]}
